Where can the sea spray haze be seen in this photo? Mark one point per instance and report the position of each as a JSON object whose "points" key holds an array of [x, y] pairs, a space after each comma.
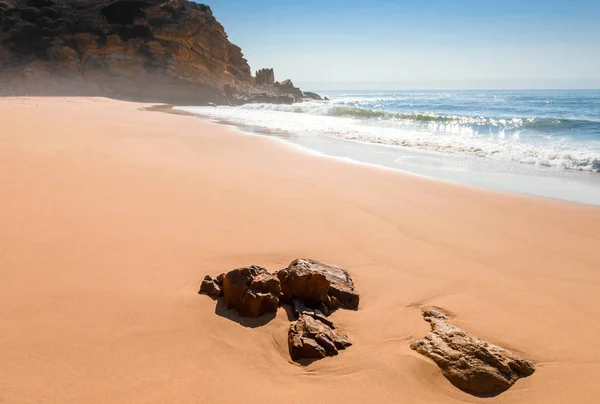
{"points": [[553, 129]]}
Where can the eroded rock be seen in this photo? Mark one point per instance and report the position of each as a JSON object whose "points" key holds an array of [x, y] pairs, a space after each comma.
{"points": [[318, 284], [312, 338], [251, 291], [287, 87], [311, 287], [299, 308], [212, 287], [265, 76], [467, 362]]}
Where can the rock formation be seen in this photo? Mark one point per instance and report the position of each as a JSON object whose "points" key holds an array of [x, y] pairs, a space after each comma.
{"points": [[265, 76], [467, 362], [275, 92], [287, 87], [212, 287], [162, 50], [313, 96], [251, 291], [314, 337], [318, 284]]}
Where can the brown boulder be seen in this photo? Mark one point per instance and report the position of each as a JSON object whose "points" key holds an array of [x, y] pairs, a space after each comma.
{"points": [[252, 291], [318, 284], [311, 338], [212, 287], [467, 362]]}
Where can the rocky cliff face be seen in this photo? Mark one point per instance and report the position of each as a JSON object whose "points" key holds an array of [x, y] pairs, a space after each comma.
{"points": [[167, 50]]}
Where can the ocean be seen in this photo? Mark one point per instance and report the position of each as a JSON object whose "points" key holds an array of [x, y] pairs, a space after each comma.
{"points": [[544, 143]]}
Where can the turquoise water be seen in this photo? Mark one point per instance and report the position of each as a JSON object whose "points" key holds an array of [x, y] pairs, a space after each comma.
{"points": [[534, 142]]}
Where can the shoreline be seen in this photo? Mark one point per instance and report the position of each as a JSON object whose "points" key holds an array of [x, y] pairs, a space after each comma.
{"points": [[111, 217], [549, 183], [281, 140]]}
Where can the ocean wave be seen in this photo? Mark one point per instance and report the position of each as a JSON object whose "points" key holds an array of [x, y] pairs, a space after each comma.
{"points": [[424, 119], [441, 133], [552, 157]]}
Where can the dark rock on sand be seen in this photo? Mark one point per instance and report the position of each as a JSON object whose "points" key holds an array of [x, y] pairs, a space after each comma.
{"points": [[467, 362], [312, 287], [299, 308], [318, 284], [252, 291], [212, 287], [314, 337]]}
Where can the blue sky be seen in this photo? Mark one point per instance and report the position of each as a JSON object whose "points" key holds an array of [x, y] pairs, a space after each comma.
{"points": [[410, 44]]}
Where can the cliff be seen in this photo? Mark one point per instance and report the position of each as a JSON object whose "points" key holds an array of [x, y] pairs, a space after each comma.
{"points": [[164, 50]]}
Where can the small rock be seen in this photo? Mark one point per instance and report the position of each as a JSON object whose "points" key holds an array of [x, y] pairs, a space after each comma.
{"points": [[310, 338], [212, 287], [467, 362], [432, 313], [252, 291]]}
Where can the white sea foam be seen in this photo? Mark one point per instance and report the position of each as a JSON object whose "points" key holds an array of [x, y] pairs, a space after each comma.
{"points": [[504, 139]]}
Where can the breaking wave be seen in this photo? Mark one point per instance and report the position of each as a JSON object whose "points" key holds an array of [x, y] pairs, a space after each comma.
{"points": [[326, 109], [498, 131]]}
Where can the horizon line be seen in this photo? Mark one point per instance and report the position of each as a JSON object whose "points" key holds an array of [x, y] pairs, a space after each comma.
{"points": [[458, 89]]}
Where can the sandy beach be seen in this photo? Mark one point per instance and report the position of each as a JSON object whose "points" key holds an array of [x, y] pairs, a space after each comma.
{"points": [[110, 216]]}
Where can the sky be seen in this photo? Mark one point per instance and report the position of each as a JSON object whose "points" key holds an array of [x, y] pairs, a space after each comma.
{"points": [[424, 44]]}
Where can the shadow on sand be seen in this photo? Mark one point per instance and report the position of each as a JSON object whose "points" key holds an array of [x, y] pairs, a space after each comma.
{"points": [[222, 311]]}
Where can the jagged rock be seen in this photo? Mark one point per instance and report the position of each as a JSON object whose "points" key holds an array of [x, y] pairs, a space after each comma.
{"points": [[467, 362], [265, 76], [318, 284], [212, 287], [311, 338], [325, 99], [252, 291], [299, 308], [287, 87], [311, 96]]}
